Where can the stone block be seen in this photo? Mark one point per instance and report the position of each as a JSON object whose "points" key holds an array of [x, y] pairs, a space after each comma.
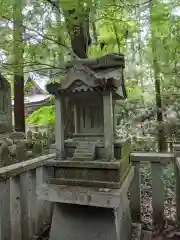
{"points": [[90, 223], [94, 174]]}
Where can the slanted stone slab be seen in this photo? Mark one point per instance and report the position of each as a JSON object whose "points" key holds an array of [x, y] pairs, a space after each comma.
{"points": [[84, 222]]}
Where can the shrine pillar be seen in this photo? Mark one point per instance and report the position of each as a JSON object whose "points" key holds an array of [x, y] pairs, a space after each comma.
{"points": [[75, 119], [59, 127], [108, 125], [114, 118]]}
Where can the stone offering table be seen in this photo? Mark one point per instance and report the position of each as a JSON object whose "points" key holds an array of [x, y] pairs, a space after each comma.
{"points": [[92, 172]]}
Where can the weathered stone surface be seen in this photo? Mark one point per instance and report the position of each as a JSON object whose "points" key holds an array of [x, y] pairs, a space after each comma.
{"points": [[84, 195], [111, 175], [136, 231], [37, 148], [79, 164], [163, 158], [18, 168], [17, 135], [93, 86], [20, 152], [83, 222], [4, 155], [89, 222], [5, 106], [84, 183]]}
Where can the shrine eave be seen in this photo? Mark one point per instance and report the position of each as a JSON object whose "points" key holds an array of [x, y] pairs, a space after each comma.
{"points": [[118, 92], [88, 75]]}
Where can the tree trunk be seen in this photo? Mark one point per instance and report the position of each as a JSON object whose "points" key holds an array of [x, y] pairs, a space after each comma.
{"points": [[78, 28], [18, 49], [162, 146], [140, 62]]}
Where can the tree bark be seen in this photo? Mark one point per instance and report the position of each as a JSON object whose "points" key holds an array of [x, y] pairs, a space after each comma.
{"points": [[18, 50], [19, 115], [78, 27]]}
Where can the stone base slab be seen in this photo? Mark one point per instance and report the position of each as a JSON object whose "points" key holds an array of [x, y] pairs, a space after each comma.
{"points": [[86, 213], [100, 197], [77, 222], [90, 173]]}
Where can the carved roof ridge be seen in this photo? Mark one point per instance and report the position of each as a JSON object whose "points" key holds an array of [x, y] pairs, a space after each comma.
{"points": [[107, 61], [104, 73]]}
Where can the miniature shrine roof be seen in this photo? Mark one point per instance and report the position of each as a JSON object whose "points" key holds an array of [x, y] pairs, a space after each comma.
{"points": [[82, 75], [4, 84]]}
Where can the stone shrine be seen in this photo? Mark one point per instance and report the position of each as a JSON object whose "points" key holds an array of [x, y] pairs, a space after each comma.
{"points": [[92, 171], [5, 106]]}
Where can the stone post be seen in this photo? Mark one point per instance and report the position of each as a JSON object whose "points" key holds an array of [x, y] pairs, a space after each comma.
{"points": [[59, 128], [75, 119], [108, 125], [9, 109], [114, 117]]}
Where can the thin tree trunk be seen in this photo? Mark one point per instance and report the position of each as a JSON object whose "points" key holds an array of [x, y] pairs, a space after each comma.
{"points": [[18, 49], [162, 146], [78, 27], [138, 13]]}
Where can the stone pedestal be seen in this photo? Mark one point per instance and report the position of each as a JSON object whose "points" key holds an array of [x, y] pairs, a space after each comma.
{"points": [[76, 222], [88, 213], [89, 187]]}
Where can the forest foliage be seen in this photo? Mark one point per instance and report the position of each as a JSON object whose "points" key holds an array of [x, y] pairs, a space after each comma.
{"points": [[36, 37]]}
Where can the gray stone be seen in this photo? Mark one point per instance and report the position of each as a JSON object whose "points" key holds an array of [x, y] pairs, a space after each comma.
{"points": [[20, 152], [37, 147], [85, 222], [94, 92], [4, 155], [96, 195], [5, 106]]}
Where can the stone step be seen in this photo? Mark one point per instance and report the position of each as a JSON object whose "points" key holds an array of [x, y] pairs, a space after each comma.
{"points": [[88, 148], [83, 150], [82, 183], [85, 145], [82, 155], [75, 158]]}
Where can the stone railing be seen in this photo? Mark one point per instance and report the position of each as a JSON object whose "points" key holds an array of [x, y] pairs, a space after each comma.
{"points": [[157, 161], [22, 215]]}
